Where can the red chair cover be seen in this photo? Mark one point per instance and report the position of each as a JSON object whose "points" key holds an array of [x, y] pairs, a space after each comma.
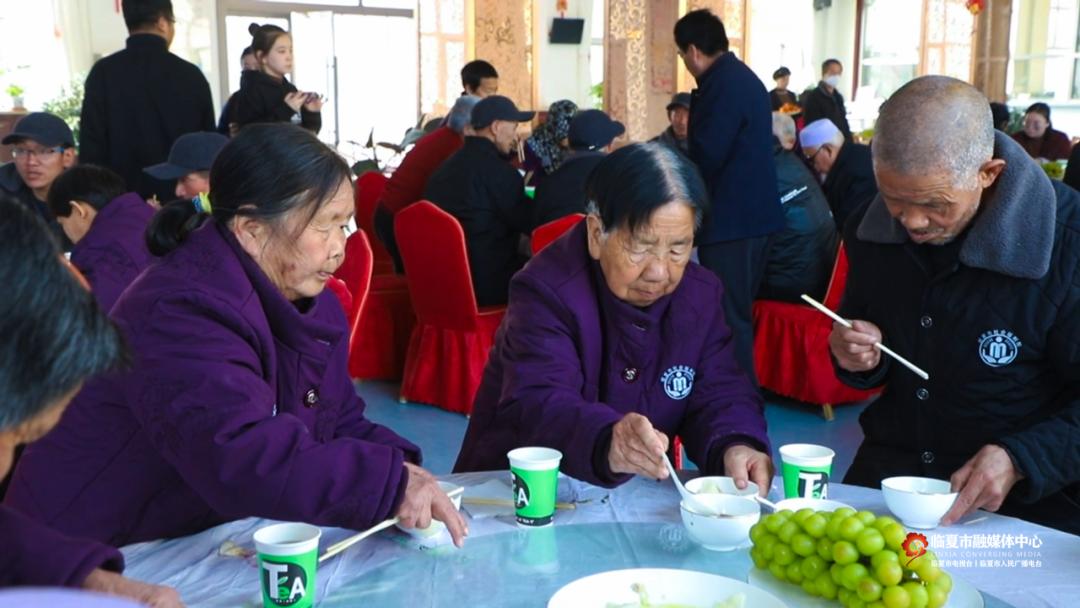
{"points": [[450, 343], [791, 347], [545, 234], [369, 189], [342, 292], [381, 317]]}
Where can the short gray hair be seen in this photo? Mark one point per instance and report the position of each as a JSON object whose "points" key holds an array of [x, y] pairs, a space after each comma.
{"points": [[934, 124], [783, 127], [459, 115]]}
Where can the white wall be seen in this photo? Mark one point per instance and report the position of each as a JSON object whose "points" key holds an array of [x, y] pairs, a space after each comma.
{"points": [[834, 36], [562, 70]]}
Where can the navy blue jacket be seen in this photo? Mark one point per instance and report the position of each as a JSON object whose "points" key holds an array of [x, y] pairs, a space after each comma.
{"points": [[731, 142]]}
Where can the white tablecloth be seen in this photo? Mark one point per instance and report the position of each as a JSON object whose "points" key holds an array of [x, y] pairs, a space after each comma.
{"points": [[1024, 564]]}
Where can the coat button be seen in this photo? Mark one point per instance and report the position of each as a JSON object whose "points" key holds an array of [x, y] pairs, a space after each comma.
{"points": [[926, 322], [928, 457], [922, 394], [311, 398], [629, 374]]}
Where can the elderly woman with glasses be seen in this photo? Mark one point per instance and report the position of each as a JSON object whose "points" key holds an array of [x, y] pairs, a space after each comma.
{"points": [[614, 342]]}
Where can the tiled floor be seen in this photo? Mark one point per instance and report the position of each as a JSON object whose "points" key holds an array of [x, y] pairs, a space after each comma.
{"points": [[439, 433]]}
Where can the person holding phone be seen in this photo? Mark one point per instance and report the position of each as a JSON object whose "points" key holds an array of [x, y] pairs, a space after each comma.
{"points": [[266, 95]]}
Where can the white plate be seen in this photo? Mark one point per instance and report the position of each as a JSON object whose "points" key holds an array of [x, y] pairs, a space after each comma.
{"points": [[664, 586], [963, 595]]}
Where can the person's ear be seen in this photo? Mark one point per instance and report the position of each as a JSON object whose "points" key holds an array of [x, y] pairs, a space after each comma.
{"points": [[989, 172], [79, 209], [252, 234], [67, 158], [594, 228]]}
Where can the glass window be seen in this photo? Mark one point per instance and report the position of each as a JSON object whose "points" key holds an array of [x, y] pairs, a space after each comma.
{"points": [[1045, 50]]}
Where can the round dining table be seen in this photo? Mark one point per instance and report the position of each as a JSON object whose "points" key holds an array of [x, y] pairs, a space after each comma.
{"points": [[636, 525]]}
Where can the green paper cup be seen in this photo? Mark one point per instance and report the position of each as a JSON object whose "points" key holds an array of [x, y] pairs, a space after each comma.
{"points": [[806, 469], [535, 476], [288, 555]]}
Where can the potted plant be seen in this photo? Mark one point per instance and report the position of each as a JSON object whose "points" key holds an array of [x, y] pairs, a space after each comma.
{"points": [[16, 93]]}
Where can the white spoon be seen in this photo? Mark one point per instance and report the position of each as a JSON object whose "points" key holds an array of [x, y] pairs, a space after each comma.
{"points": [[766, 502], [691, 499]]}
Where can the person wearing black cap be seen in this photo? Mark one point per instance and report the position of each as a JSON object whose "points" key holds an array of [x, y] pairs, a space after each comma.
{"points": [[189, 163], [140, 99], [781, 95], [43, 149], [676, 135], [479, 187], [563, 192]]}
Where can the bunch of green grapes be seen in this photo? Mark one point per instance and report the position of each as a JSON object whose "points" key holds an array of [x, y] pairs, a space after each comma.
{"points": [[854, 557]]}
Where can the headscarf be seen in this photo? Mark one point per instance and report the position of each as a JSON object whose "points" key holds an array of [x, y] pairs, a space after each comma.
{"points": [[544, 142]]}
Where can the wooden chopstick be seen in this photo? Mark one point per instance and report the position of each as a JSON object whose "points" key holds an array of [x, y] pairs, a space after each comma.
{"points": [[336, 548], [885, 349], [502, 502]]}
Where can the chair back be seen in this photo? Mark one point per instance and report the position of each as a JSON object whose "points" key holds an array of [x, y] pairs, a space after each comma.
{"points": [[432, 246], [344, 296], [356, 271], [838, 281], [369, 189], [544, 235]]}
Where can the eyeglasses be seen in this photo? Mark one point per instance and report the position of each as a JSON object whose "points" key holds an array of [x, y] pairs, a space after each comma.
{"points": [[40, 153], [814, 155]]}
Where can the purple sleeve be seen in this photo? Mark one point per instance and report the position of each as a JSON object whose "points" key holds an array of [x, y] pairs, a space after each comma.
{"points": [[724, 408], [204, 404], [542, 385], [105, 285], [353, 424], [35, 555]]}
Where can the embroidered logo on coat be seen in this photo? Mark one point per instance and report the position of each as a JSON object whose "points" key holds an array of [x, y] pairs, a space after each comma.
{"points": [[999, 347], [678, 381]]}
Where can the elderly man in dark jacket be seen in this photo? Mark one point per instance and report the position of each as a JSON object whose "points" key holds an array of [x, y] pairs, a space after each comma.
{"points": [[800, 258], [140, 99], [481, 190], [968, 263], [731, 143], [849, 173]]}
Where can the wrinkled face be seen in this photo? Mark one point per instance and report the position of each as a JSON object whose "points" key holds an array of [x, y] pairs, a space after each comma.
{"points": [[680, 121], [192, 184], [642, 267], [78, 223], [822, 158], [279, 61], [487, 88], [1035, 125], [930, 207], [38, 165], [505, 136], [300, 259], [249, 62], [31, 430], [782, 82]]}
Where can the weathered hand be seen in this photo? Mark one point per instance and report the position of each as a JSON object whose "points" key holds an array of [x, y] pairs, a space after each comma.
{"points": [[111, 583], [637, 448], [983, 482], [854, 348], [425, 500], [743, 463]]}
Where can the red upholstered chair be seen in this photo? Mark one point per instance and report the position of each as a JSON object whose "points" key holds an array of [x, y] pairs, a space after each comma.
{"points": [[450, 343], [546, 233], [344, 295], [791, 348], [369, 189]]}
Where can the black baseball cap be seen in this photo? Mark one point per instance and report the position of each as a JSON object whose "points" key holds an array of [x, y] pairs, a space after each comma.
{"points": [[42, 127], [679, 100], [593, 129], [497, 107], [190, 152], [778, 74]]}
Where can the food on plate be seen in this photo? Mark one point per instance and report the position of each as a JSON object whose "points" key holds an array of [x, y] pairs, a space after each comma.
{"points": [[737, 600], [857, 558]]}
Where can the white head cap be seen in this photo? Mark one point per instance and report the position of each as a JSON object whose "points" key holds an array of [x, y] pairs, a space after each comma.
{"points": [[818, 133]]}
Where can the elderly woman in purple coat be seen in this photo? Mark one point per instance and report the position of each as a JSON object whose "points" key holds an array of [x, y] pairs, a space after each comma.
{"points": [[238, 402], [614, 342], [54, 338]]}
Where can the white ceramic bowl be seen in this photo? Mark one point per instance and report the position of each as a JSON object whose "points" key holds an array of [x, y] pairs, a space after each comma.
{"points": [[817, 504], [721, 533], [918, 502], [436, 527], [720, 485]]}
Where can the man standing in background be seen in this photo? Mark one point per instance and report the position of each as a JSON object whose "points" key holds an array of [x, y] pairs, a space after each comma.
{"points": [[731, 142], [141, 99]]}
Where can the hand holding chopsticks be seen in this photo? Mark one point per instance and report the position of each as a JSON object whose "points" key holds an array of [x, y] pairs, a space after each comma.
{"points": [[336, 548], [878, 345]]}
